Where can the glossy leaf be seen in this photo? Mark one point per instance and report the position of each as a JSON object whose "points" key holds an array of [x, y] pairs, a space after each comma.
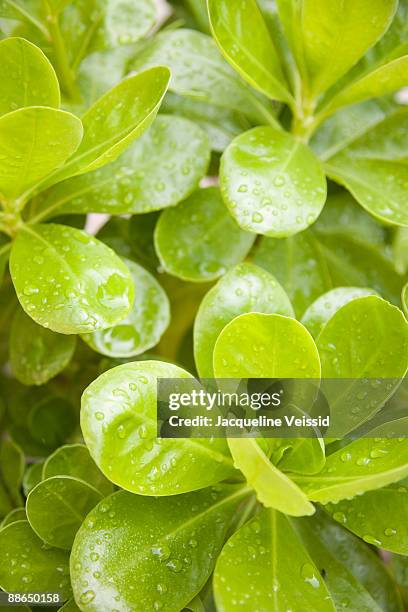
{"points": [[273, 488], [199, 71], [198, 240], [27, 77], [329, 38], [266, 565], [377, 517], [37, 568], [277, 339], [342, 249], [272, 183], [364, 465], [159, 170], [366, 339], [57, 507], [372, 167], [143, 326], [245, 288], [119, 425], [36, 353], [353, 574], [34, 142], [69, 281], [162, 554], [75, 461], [243, 37], [18, 514], [115, 120], [322, 309], [32, 476], [383, 80]]}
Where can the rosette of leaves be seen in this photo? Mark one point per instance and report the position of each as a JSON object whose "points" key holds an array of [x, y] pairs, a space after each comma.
{"points": [[95, 506]]}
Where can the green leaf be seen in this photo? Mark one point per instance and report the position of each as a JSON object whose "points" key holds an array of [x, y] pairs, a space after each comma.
{"points": [[69, 606], [273, 488], [265, 565], [199, 71], [243, 38], [36, 568], [322, 309], [74, 460], [27, 11], [57, 507], [12, 470], [378, 517], [277, 339], [159, 170], [354, 575], [245, 288], [34, 142], [119, 425], [373, 168], [36, 353], [27, 77], [32, 476], [342, 249], [364, 465], [162, 554], [144, 325], [366, 339], [115, 120], [400, 250], [272, 183], [69, 281], [198, 240], [405, 299], [89, 25], [385, 79], [327, 39], [220, 124], [18, 514]]}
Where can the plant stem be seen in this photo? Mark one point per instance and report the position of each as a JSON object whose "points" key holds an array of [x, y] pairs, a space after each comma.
{"points": [[65, 73]]}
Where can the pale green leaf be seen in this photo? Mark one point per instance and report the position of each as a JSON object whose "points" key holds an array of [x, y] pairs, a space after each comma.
{"points": [[115, 120], [27, 77], [245, 288], [266, 565], [277, 339], [119, 425], [364, 465], [242, 35], [34, 141], [272, 183], [85, 285], [322, 309], [328, 38], [143, 326], [273, 488]]}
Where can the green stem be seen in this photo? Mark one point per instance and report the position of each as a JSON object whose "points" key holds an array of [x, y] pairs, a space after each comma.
{"points": [[65, 73]]}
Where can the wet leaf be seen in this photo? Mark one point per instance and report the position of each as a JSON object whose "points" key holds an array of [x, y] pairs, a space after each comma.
{"points": [[272, 183], [69, 281], [198, 240]]}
